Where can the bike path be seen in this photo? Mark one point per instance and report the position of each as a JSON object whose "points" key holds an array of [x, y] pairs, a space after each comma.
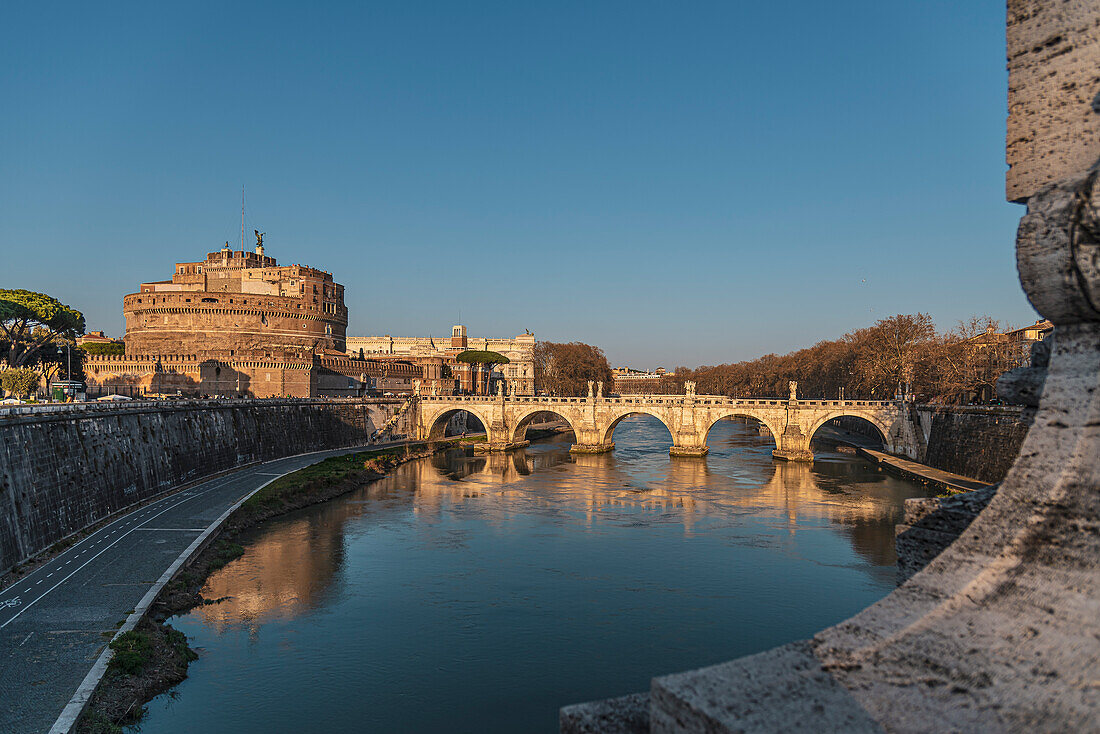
{"points": [[56, 620]]}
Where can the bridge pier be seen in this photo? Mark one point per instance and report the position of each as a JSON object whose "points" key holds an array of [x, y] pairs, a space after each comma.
{"points": [[688, 451], [499, 446], [688, 418], [793, 445], [591, 448]]}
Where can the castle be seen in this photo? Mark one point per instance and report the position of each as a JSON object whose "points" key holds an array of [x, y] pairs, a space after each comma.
{"points": [[238, 323]]}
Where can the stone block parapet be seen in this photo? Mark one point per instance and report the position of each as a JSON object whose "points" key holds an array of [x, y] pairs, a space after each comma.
{"points": [[1053, 93], [792, 423]]}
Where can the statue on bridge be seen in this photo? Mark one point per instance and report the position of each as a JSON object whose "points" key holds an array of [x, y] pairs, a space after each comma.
{"points": [[416, 388], [599, 390], [793, 387], [591, 385], [689, 388], [500, 389]]}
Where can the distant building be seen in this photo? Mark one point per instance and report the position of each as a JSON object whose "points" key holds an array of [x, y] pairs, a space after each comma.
{"points": [[96, 337], [629, 381], [519, 371], [1025, 336], [238, 323]]}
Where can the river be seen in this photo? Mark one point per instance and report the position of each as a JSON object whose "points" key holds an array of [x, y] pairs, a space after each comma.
{"points": [[479, 594]]}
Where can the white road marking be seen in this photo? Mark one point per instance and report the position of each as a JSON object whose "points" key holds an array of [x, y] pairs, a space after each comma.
{"points": [[131, 518], [97, 555]]}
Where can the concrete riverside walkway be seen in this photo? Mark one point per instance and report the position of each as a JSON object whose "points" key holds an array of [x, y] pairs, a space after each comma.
{"points": [[56, 620], [923, 472]]}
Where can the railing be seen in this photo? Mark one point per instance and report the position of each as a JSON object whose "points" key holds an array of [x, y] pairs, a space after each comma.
{"points": [[718, 400], [32, 409]]}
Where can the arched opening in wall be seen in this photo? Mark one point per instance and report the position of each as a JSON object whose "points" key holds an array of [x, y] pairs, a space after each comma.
{"points": [[844, 433], [456, 423], [543, 424], [639, 433], [734, 434]]}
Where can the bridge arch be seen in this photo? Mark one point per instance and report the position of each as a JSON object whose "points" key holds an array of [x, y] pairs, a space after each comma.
{"points": [[609, 431], [742, 413], [435, 425], [885, 431], [524, 420]]}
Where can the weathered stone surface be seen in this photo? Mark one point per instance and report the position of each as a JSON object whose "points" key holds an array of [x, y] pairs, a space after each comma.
{"points": [[1054, 79], [792, 423], [1024, 385], [624, 715], [930, 524], [781, 690]]}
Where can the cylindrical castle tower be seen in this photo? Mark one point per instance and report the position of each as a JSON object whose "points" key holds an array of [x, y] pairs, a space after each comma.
{"points": [[238, 302]]}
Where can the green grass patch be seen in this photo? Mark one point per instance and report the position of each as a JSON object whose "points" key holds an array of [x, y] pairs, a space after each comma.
{"points": [[178, 642], [133, 650], [93, 722], [224, 552], [324, 474]]}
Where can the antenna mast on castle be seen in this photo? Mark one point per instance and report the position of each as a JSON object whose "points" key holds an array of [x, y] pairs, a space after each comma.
{"points": [[242, 217]]}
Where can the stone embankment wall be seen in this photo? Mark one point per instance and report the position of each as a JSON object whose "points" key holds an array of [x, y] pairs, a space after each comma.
{"points": [[975, 441], [978, 442], [63, 468]]}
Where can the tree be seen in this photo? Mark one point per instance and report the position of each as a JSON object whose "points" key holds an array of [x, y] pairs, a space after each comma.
{"points": [[57, 358], [487, 358], [29, 321], [21, 380], [970, 358], [473, 356], [565, 369], [889, 353], [117, 349]]}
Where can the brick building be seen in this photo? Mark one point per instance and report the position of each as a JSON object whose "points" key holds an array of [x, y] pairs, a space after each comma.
{"points": [[239, 323]]}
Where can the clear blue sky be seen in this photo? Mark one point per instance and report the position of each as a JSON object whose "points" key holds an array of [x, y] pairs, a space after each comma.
{"points": [[679, 183]]}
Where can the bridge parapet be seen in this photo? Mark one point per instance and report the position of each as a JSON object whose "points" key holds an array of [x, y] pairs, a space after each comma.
{"points": [[689, 417]]}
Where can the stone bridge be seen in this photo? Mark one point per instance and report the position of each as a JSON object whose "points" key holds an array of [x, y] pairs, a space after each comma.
{"points": [[689, 417]]}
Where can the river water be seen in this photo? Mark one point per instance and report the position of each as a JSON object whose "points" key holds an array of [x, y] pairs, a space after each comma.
{"points": [[479, 594]]}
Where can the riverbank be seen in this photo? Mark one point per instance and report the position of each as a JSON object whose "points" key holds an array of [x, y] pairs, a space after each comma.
{"points": [[862, 446], [943, 480], [154, 656]]}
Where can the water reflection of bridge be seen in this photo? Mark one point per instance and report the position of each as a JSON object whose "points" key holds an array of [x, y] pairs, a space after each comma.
{"points": [[291, 565]]}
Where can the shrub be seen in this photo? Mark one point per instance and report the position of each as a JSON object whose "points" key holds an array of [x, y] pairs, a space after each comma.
{"points": [[132, 651], [21, 380]]}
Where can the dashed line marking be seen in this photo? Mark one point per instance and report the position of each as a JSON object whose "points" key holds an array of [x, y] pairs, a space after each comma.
{"points": [[105, 549]]}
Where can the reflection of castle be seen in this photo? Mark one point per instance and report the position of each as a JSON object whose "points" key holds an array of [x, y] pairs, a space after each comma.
{"points": [[282, 573]]}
